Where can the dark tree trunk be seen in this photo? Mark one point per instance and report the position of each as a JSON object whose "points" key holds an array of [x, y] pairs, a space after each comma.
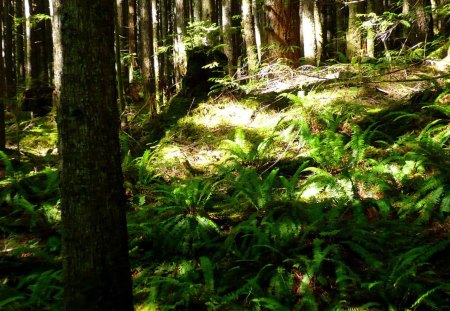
{"points": [[20, 43], [2, 84], [228, 39], [147, 68], [9, 50], [95, 252]]}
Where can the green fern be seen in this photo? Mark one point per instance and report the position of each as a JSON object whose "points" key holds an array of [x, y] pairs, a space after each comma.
{"points": [[242, 152], [255, 189]]}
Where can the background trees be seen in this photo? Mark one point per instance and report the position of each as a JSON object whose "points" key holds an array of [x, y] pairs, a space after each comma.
{"points": [[154, 37]]}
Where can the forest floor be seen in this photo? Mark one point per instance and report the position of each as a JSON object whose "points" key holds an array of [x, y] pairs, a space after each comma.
{"points": [[313, 189]]}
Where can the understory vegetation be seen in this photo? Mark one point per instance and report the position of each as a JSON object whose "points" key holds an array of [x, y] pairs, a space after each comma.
{"points": [[331, 195]]}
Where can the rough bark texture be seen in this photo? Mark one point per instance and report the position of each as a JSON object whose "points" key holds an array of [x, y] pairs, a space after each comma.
{"points": [[353, 34], [95, 253], [2, 84], [420, 30], [283, 33], [228, 41], [249, 36], [147, 69], [8, 41], [180, 49], [20, 35]]}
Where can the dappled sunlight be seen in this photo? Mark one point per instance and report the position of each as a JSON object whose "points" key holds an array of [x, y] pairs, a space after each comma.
{"points": [[225, 114]]}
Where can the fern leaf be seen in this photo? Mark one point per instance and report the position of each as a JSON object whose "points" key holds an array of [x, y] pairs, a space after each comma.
{"points": [[208, 272]]}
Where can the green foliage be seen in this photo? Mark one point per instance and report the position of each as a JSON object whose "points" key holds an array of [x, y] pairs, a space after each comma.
{"points": [[243, 152], [201, 33]]}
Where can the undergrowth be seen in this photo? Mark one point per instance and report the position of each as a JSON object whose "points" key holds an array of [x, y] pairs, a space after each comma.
{"points": [[331, 208]]}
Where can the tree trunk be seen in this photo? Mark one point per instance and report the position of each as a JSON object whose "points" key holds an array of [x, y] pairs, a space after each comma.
{"points": [[197, 10], [423, 32], [20, 45], [155, 37], [165, 64], [249, 36], [118, 59], [354, 42], [34, 40], [94, 234], [132, 39], [309, 32], [122, 33], [228, 41], [147, 69], [256, 13], [179, 47], [341, 29], [283, 29], [318, 29], [8, 41], [2, 84], [373, 9], [207, 10]]}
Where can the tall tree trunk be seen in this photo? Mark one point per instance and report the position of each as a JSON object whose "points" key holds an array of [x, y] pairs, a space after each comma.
{"points": [[35, 69], [179, 46], [155, 37], [2, 84], [283, 33], [309, 32], [207, 10], [197, 10], [373, 9], [228, 41], [132, 39], [9, 45], [249, 36], [354, 41], [341, 28], [256, 13], [20, 44], [119, 65], [47, 44], [147, 69], [94, 233], [165, 72], [318, 29], [420, 31], [122, 33]]}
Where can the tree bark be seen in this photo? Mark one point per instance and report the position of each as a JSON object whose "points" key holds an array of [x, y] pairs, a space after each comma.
{"points": [[147, 69], [20, 44], [227, 34], [155, 38], [2, 84], [94, 235], [132, 39], [249, 36], [318, 29], [283, 29], [373, 9], [179, 47], [354, 41], [309, 32], [8, 41]]}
